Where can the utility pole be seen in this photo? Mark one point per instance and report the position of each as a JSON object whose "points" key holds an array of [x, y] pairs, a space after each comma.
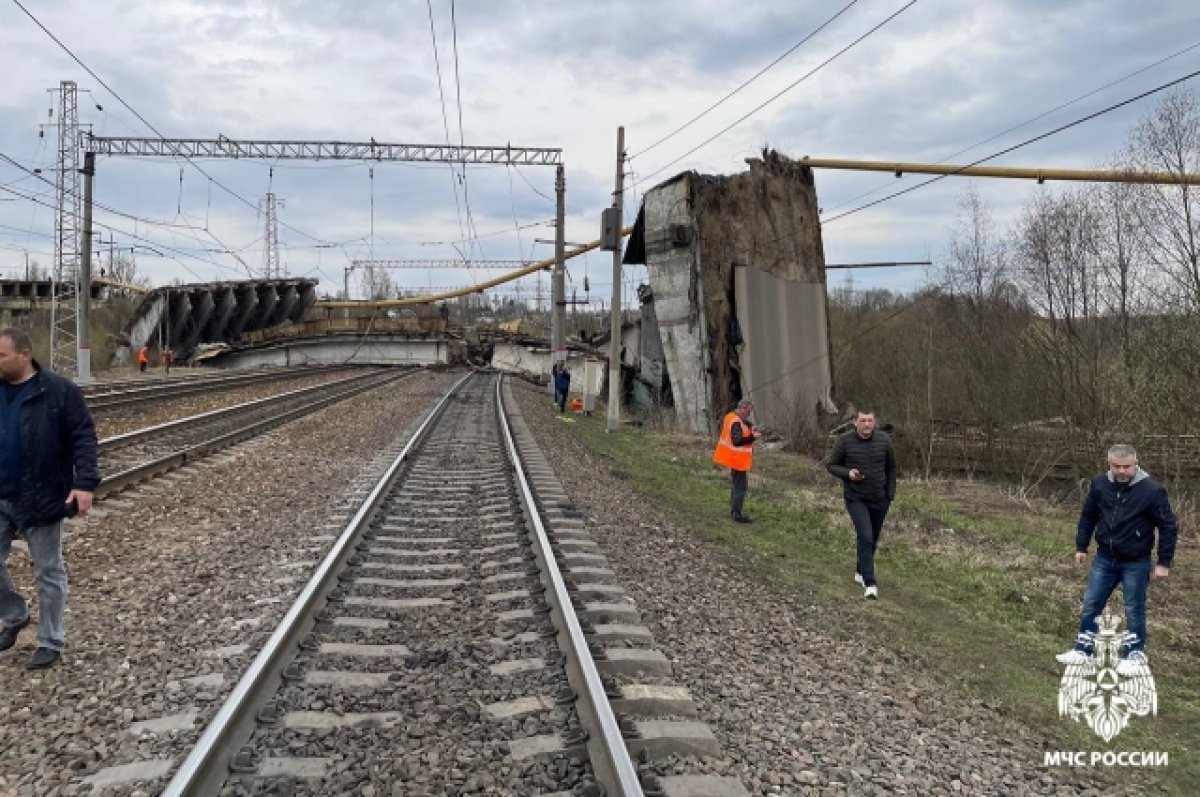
{"points": [[614, 343], [83, 338], [271, 266], [558, 345], [64, 286]]}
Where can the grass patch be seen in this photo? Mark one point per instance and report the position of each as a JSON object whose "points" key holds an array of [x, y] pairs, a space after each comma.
{"points": [[978, 590]]}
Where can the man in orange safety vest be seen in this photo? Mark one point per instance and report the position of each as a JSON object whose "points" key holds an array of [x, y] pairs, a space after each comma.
{"points": [[735, 450]]}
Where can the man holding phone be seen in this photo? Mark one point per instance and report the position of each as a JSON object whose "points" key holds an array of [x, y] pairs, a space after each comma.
{"points": [[735, 450], [864, 459], [47, 472]]}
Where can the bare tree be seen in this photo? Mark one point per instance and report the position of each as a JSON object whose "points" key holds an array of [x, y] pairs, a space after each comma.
{"points": [[1169, 140]]}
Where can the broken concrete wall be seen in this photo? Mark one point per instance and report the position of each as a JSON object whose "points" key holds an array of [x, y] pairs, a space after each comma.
{"points": [[763, 335], [673, 264]]}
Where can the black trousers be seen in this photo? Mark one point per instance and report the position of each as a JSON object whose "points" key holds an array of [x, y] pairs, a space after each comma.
{"points": [[737, 496], [867, 517], [561, 397]]}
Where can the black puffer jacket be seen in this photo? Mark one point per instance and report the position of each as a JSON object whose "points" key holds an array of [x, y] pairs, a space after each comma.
{"points": [[873, 457], [58, 450], [1124, 516]]}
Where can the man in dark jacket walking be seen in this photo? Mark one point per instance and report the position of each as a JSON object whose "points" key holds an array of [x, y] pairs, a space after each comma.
{"points": [[47, 472], [1122, 509], [865, 461], [562, 386]]}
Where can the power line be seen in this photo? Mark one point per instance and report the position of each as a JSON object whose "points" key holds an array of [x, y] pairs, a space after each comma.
{"points": [[127, 234], [437, 63], [1024, 143], [461, 141], [750, 80], [1031, 120], [143, 119], [785, 90]]}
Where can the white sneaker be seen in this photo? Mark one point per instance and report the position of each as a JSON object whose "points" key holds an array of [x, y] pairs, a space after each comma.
{"points": [[1132, 664], [858, 579], [1073, 656], [872, 593]]}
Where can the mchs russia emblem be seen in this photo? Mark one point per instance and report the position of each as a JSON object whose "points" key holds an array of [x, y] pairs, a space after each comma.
{"points": [[1093, 690]]}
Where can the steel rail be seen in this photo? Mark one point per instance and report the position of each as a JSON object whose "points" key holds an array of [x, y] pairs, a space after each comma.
{"points": [[177, 459], [120, 398], [618, 775], [138, 435], [206, 768]]}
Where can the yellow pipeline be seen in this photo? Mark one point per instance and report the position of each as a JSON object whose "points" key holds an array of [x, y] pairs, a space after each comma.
{"points": [[509, 277], [1015, 172]]}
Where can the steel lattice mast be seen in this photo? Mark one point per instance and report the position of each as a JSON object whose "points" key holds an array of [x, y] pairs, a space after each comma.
{"points": [[64, 312], [272, 269]]}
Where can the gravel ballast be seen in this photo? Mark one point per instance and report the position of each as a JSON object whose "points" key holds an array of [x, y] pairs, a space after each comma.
{"points": [[796, 711]]}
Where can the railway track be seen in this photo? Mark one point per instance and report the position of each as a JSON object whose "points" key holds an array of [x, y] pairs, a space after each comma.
{"points": [[136, 456], [440, 648], [137, 393]]}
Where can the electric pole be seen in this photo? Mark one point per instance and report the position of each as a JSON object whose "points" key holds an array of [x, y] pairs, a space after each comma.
{"points": [[558, 346], [271, 266], [84, 315], [64, 288], [614, 343]]}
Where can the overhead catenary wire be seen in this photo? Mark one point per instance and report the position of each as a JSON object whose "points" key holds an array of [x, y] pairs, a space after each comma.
{"points": [[437, 63], [1025, 143], [746, 82], [143, 119], [1031, 120], [783, 91]]}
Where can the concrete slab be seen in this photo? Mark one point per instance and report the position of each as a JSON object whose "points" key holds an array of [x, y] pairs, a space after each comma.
{"points": [[650, 700], [517, 665], [416, 583], [212, 680], [495, 549], [325, 720], [518, 707], [597, 611], [588, 573], [391, 550], [416, 540], [396, 603], [661, 738], [511, 595], [351, 649], [132, 773], [702, 786], [347, 679], [515, 614], [582, 558], [603, 590], [393, 567], [361, 622], [524, 637], [509, 562], [499, 578], [633, 662], [537, 747], [227, 652], [184, 721], [502, 535], [616, 632], [299, 768]]}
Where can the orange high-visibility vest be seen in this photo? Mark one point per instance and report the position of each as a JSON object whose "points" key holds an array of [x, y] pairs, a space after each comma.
{"points": [[142, 357], [726, 453]]}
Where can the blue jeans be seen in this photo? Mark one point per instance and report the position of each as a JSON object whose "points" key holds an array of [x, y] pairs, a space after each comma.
{"points": [[45, 548], [1134, 578], [867, 517]]}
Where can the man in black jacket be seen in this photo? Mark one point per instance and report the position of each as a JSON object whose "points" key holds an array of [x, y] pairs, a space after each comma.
{"points": [[865, 461], [1122, 509], [47, 472]]}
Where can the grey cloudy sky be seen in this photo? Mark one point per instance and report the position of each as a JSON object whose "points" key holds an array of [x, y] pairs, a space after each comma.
{"points": [[941, 76]]}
